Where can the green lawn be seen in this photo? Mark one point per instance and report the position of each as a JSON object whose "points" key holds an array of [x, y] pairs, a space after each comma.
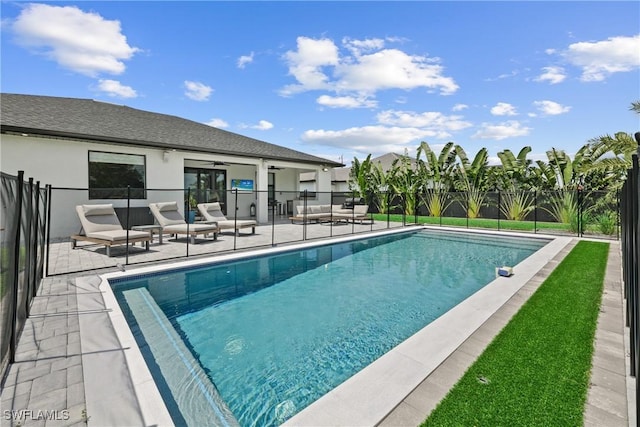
{"points": [[536, 371], [477, 222]]}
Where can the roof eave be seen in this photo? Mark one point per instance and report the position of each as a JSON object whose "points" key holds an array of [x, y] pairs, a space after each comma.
{"points": [[124, 141]]}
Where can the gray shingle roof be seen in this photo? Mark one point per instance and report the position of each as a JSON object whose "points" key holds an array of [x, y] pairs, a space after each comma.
{"points": [[100, 121]]}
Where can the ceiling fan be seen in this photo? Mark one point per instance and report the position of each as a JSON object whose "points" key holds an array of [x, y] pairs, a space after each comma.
{"points": [[274, 168]]}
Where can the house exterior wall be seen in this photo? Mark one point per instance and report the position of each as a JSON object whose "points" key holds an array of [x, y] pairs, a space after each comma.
{"points": [[63, 164]]}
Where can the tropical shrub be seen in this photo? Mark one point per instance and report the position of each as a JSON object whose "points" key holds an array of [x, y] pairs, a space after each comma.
{"points": [[436, 202], [516, 205], [606, 223]]}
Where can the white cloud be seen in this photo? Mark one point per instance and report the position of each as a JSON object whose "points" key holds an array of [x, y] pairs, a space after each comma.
{"points": [[217, 123], [306, 63], [361, 69], [346, 102], [433, 121], [79, 41], [369, 139], [503, 76], [550, 108], [357, 47], [197, 91], [504, 109], [553, 75], [392, 69], [116, 89], [459, 107], [262, 125], [600, 59], [245, 59], [501, 131]]}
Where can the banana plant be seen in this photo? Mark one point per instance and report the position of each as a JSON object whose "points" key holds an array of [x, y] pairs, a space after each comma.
{"points": [[437, 174], [380, 187], [472, 179], [405, 180], [360, 176]]}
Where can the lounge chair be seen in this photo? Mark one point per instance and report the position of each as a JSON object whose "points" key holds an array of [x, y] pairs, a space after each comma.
{"points": [[360, 214], [100, 225], [213, 212], [172, 222]]}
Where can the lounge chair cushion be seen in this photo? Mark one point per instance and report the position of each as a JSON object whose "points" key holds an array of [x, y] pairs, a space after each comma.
{"points": [[117, 235], [359, 210], [193, 228], [213, 212], [167, 206], [99, 218], [166, 213], [91, 210]]}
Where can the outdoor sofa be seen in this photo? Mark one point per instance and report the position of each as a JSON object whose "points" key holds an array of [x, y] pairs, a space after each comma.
{"points": [[213, 212], [330, 213], [172, 222], [100, 225]]}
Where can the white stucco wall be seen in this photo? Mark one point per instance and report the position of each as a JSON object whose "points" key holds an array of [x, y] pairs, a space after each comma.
{"points": [[63, 164]]}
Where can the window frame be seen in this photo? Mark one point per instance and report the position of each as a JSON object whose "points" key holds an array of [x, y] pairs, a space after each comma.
{"points": [[138, 194]]}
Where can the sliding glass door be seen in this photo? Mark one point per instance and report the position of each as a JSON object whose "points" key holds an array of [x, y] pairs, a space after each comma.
{"points": [[206, 186]]}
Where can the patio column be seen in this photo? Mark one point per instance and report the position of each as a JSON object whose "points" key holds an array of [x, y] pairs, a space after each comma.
{"points": [[323, 185], [262, 200]]}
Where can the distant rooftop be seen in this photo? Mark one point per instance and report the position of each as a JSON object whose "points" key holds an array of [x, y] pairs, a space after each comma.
{"points": [[342, 174]]}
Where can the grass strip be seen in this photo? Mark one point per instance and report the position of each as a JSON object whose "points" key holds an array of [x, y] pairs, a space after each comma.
{"points": [[503, 224], [536, 371]]}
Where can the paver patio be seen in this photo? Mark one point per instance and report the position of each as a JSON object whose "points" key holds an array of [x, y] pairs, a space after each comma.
{"points": [[48, 373]]}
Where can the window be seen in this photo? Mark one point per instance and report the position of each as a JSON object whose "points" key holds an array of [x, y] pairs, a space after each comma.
{"points": [[111, 173]]}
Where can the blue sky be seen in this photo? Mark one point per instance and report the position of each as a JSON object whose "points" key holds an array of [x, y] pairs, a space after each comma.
{"points": [[344, 79]]}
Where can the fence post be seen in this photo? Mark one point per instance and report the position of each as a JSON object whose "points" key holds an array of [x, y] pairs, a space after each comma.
{"points": [[535, 211], [304, 215], [36, 220], [386, 195], [16, 267], [273, 226], [28, 279], [415, 209], [235, 219], [580, 200], [48, 219], [187, 213], [499, 201], [126, 250]]}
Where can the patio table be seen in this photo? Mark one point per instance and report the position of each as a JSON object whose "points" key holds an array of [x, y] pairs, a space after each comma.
{"points": [[153, 228]]}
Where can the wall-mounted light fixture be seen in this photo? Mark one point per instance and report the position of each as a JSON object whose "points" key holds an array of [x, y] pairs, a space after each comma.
{"points": [[325, 169]]}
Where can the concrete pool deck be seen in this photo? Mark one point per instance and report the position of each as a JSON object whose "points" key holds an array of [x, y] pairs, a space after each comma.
{"points": [[64, 363]]}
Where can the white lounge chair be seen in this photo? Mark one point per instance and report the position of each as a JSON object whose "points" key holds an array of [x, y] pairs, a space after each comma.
{"points": [[172, 222], [100, 225], [213, 212]]}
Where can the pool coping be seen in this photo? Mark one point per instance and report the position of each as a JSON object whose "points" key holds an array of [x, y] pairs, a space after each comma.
{"points": [[364, 399]]}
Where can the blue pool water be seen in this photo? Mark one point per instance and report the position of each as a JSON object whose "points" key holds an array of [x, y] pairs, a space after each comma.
{"points": [[270, 335]]}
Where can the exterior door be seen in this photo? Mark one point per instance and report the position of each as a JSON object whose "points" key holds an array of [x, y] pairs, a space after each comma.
{"points": [[206, 186]]}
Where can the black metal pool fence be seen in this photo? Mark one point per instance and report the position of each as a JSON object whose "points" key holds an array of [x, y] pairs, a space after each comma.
{"points": [[572, 212], [630, 251], [22, 232]]}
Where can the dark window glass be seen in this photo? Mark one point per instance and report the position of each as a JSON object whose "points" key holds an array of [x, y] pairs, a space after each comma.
{"points": [[111, 173], [206, 186]]}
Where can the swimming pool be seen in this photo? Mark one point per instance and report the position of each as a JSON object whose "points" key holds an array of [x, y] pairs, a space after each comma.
{"points": [[276, 333]]}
